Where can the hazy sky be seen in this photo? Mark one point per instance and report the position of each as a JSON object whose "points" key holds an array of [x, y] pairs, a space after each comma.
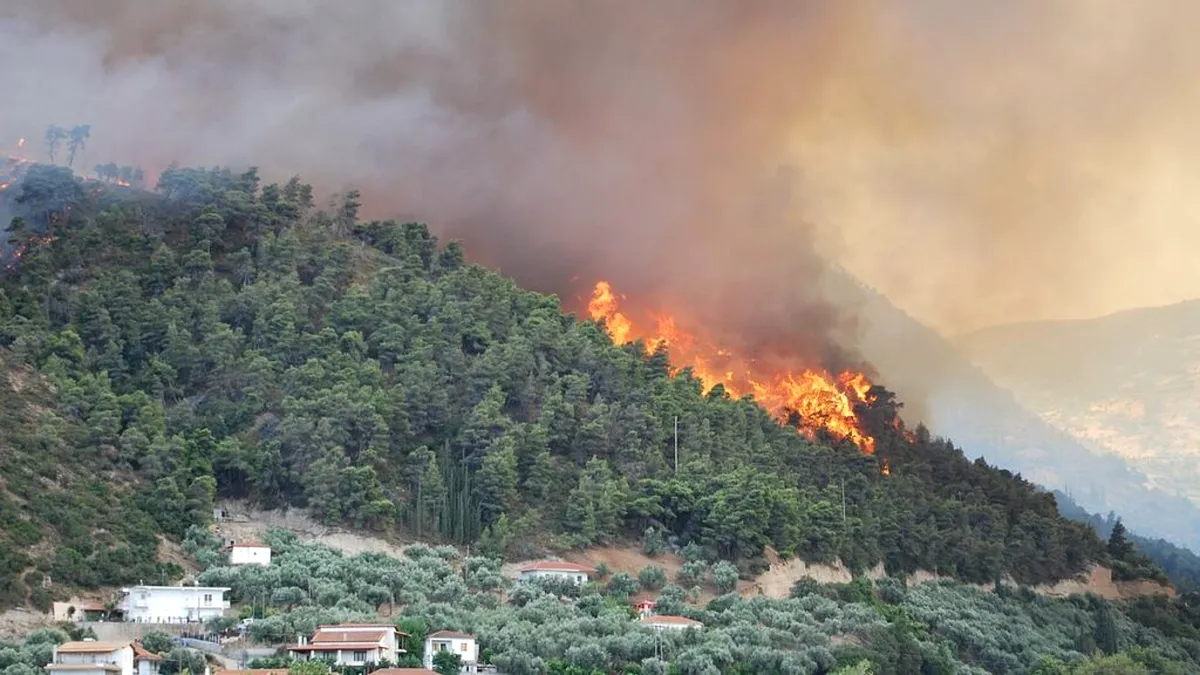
{"points": [[978, 162]]}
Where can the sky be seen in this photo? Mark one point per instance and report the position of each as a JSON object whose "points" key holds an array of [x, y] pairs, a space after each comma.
{"points": [[977, 162]]}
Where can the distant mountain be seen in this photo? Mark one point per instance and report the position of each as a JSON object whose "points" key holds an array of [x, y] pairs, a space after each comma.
{"points": [[1180, 564], [940, 386], [1127, 383]]}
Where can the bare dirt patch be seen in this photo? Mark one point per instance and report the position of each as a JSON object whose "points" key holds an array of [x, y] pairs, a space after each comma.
{"points": [[249, 524], [17, 623]]}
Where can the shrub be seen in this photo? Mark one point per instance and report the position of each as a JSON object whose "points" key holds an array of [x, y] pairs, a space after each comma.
{"points": [[725, 576], [691, 574], [653, 542], [622, 585], [652, 577]]}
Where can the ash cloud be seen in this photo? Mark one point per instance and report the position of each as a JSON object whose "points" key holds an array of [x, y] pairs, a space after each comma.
{"points": [[978, 162]]}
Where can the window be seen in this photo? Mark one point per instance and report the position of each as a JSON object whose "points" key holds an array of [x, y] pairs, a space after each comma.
{"points": [[208, 598], [462, 647], [358, 657]]}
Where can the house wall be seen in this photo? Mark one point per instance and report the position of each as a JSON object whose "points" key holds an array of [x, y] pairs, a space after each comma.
{"points": [[250, 555], [347, 657], [670, 626], [576, 577], [147, 667], [181, 604], [122, 657], [467, 649]]}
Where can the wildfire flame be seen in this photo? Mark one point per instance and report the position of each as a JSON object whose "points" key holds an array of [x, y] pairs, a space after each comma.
{"points": [[820, 399]]}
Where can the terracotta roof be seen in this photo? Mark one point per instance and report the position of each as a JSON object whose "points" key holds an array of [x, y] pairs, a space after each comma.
{"points": [[111, 667], [362, 625], [334, 646], [328, 635], [90, 647], [556, 566], [250, 544], [403, 671], [90, 606], [675, 620], [140, 653], [452, 634]]}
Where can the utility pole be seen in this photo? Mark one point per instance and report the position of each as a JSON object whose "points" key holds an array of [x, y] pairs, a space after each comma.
{"points": [[677, 444], [843, 502]]}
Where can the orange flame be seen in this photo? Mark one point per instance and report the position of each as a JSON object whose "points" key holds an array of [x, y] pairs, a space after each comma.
{"points": [[821, 400]]}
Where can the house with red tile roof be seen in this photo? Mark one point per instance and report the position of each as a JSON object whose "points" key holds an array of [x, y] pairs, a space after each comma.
{"points": [[557, 569], [352, 644], [455, 642], [668, 622], [92, 657], [145, 662]]}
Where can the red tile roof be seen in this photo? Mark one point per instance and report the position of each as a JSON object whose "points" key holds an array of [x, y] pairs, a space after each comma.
{"points": [[251, 544], [556, 566], [335, 646], [668, 619], [140, 653], [332, 634], [452, 634], [90, 647]]}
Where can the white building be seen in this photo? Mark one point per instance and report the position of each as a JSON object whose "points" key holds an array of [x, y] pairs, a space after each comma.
{"points": [[89, 657], [462, 644], [173, 604], [352, 644], [667, 622], [145, 662], [250, 553], [557, 569]]}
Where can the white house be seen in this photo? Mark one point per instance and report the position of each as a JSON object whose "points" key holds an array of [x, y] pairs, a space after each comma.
{"points": [[173, 604], [145, 662], [89, 657], [462, 644], [352, 644], [557, 569], [250, 553], [667, 622]]}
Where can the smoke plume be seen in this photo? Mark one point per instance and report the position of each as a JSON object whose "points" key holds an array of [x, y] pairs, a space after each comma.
{"points": [[979, 162]]}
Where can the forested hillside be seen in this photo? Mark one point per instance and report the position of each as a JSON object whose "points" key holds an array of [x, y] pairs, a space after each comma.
{"points": [[220, 336], [1181, 565]]}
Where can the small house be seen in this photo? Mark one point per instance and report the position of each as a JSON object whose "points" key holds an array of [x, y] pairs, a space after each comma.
{"points": [[557, 569], [462, 644], [91, 657], [667, 622], [145, 662], [352, 644], [250, 553]]}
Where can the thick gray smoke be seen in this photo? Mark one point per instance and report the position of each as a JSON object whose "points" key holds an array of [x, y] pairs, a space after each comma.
{"points": [[977, 161]]}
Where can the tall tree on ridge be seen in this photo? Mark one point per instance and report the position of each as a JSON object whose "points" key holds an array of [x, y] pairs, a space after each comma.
{"points": [[54, 137], [77, 139]]}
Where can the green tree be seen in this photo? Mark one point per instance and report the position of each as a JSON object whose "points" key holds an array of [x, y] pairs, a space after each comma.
{"points": [[447, 662]]}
